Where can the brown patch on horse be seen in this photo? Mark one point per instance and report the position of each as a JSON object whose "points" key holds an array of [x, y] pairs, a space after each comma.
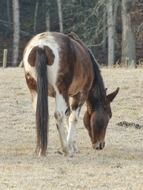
{"points": [[75, 66], [31, 82], [51, 91], [32, 57], [75, 37], [67, 58], [83, 74], [86, 120], [75, 101], [48, 52], [32, 85], [50, 55]]}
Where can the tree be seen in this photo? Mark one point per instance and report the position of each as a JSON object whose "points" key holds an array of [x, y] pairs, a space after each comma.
{"points": [[16, 31], [111, 32], [8, 14], [35, 16], [59, 3], [128, 38], [47, 21]]}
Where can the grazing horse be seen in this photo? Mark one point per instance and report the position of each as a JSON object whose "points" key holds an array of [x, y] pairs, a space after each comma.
{"points": [[61, 66]]}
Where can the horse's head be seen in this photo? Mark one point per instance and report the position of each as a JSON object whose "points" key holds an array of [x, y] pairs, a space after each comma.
{"points": [[96, 121]]}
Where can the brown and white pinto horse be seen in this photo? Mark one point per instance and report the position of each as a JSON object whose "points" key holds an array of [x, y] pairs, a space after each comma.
{"points": [[61, 66]]}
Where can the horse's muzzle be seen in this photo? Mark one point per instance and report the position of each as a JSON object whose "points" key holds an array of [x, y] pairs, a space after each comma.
{"points": [[98, 145]]}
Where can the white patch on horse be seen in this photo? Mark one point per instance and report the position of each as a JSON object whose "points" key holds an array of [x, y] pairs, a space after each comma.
{"points": [[47, 40], [34, 99], [61, 107], [71, 137]]}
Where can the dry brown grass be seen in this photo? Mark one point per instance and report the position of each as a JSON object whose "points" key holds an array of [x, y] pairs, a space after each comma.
{"points": [[118, 167]]}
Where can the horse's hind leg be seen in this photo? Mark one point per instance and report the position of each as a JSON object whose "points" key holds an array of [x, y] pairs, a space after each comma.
{"points": [[62, 106], [34, 100]]}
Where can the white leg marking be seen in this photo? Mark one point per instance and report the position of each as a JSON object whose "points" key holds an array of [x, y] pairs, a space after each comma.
{"points": [[34, 100], [71, 138], [61, 108], [67, 123]]}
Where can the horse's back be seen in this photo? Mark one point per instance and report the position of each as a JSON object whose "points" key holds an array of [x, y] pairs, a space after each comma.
{"points": [[68, 61]]}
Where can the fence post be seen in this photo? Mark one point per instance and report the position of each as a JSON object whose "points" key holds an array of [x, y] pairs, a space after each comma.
{"points": [[4, 58], [21, 63]]}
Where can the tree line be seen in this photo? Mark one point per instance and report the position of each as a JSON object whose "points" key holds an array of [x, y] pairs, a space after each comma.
{"points": [[97, 23]]}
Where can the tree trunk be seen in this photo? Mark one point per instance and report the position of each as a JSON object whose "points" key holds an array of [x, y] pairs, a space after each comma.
{"points": [[35, 16], [8, 14], [104, 32], [59, 3], [111, 31], [128, 38], [16, 32], [47, 15]]}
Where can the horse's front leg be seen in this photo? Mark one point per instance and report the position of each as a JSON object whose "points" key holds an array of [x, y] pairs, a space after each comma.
{"points": [[71, 137], [60, 113], [73, 119]]}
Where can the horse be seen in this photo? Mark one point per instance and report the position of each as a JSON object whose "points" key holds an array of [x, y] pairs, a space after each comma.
{"points": [[61, 66]]}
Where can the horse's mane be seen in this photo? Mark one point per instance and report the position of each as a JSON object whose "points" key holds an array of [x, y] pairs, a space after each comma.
{"points": [[75, 37], [98, 89], [98, 84]]}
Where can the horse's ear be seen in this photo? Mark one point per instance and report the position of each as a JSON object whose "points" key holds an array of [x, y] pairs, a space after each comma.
{"points": [[110, 97]]}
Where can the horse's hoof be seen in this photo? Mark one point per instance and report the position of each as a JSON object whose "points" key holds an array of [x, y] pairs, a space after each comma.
{"points": [[65, 151], [76, 150], [73, 149], [39, 152], [71, 154]]}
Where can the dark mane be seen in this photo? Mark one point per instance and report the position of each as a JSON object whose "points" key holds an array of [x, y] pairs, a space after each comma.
{"points": [[97, 93], [98, 89]]}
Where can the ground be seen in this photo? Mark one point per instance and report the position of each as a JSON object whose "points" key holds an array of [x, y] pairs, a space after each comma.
{"points": [[118, 167]]}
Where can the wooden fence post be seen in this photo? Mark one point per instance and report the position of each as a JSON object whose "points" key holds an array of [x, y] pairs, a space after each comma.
{"points": [[4, 58], [21, 63]]}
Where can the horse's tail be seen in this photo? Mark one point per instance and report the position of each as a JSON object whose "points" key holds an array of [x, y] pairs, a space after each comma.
{"points": [[42, 101]]}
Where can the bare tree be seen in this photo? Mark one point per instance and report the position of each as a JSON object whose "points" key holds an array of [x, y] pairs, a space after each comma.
{"points": [[8, 14], [16, 31], [128, 38], [47, 15], [35, 15], [111, 31], [59, 3], [104, 31]]}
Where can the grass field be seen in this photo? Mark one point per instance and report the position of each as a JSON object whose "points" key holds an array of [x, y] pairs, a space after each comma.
{"points": [[118, 167]]}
